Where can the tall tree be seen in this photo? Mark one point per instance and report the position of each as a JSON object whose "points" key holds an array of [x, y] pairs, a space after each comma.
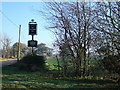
{"points": [[71, 25], [83, 28], [108, 34], [108, 26], [22, 49]]}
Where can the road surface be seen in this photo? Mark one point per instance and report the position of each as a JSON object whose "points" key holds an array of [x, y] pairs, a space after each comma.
{"points": [[4, 63]]}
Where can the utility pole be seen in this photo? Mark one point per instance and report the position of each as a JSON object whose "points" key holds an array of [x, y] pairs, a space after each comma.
{"points": [[18, 58]]}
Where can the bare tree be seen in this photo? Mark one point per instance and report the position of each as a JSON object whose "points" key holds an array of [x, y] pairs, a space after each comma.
{"points": [[71, 22], [108, 17], [83, 28], [5, 43]]}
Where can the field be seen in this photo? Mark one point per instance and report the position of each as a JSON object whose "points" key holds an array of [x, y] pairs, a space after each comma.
{"points": [[14, 78], [52, 62]]}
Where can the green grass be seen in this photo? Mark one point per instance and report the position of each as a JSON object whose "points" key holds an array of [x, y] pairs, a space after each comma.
{"points": [[52, 61], [14, 78]]}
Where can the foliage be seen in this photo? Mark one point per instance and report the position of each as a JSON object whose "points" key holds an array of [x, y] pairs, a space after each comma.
{"points": [[32, 63], [112, 63], [42, 49], [22, 49], [104, 51], [94, 69]]}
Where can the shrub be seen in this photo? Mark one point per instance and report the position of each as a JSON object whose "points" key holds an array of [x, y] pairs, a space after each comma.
{"points": [[32, 63], [112, 63]]}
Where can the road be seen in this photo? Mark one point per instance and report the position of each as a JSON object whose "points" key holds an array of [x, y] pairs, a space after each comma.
{"points": [[4, 63]]}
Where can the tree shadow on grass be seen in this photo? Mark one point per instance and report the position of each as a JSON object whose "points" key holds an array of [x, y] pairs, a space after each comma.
{"points": [[89, 81], [13, 74]]}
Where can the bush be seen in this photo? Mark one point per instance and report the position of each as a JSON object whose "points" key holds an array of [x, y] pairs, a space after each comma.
{"points": [[112, 63], [32, 63]]}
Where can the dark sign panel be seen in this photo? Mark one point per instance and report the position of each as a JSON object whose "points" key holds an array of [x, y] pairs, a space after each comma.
{"points": [[32, 43], [32, 26], [32, 29]]}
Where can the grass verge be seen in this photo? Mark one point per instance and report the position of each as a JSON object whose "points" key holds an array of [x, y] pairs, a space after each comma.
{"points": [[14, 78]]}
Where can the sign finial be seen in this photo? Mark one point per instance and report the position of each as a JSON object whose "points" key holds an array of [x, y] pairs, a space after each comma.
{"points": [[32, 20]]}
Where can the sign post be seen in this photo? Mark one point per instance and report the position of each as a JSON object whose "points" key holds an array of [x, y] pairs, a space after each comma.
{"points": [[32, 31]]}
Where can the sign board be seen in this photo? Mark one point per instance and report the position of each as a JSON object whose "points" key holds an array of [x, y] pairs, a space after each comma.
{"points": [[33, 28], [32, 43]]}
